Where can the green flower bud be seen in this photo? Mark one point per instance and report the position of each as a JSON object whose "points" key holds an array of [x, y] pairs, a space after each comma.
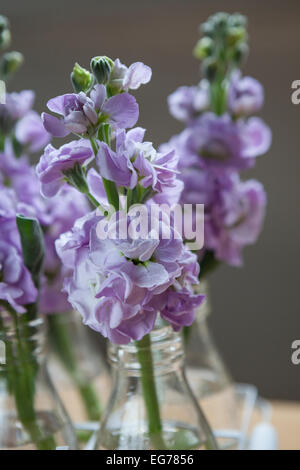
{"points": [[220, 20], [236, 34], [237, 20], [207, 29], [203, 48], [209, 68], [4, 24], [82, 79], [5, 38], [240, 53], [10, 63], [101, 67]]}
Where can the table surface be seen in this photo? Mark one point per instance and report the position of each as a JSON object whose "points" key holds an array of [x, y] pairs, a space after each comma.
{"points": [[286, 419]]}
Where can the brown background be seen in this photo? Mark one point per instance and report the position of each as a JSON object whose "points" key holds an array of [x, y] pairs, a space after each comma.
{"points": [[256, 309]]}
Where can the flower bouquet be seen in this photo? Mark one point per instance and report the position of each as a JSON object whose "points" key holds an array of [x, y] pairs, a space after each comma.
{"points": [[131, 276], [221, 139]]}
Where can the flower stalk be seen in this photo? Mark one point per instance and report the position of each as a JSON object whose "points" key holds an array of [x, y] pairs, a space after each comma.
{"points": [[61, 339], [155, 428]]}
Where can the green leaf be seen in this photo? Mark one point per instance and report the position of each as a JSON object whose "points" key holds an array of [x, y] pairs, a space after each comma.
{"points": [[32, 242]]}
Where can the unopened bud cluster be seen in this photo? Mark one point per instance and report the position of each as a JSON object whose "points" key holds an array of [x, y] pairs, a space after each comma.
{"points": [[83, 80], [223, 45], [10, 61]]}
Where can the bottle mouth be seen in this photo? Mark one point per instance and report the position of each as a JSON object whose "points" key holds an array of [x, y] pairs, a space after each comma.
{"points": [[165, 350]]}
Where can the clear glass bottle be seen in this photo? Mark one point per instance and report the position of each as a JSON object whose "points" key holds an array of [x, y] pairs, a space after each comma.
{"points": [[32, 416], [210, 380], [77, 366], [151, 404]]}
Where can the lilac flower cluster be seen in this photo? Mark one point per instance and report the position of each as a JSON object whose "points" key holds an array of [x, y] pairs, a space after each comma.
{"points": [[16, 285], [234, 210], [137, 162], [117, 284], [212, 150], [27, 135]]}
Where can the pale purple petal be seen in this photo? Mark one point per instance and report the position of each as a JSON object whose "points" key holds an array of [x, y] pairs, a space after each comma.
{"points": [[96, 187], [257, 137], [54, 125], [113, 167], [98, 95], [122, 110], [136, 75]]}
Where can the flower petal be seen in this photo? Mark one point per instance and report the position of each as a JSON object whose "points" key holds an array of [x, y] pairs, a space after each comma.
{"points": [[123, 110], [98, 95], [54, 125], [137, 74]]}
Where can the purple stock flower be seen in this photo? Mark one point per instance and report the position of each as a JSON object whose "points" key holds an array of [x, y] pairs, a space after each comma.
{"points": [[179, 307], [82, 115], [218, 142], [54, 162], [129, 78], [31, 132], [56, 215], [18, 104], [61, 212], [234, 211], [119, 284], [137, 161], [59, 216], [16, 285], [187, 102], [245, 95], [9, 164]]}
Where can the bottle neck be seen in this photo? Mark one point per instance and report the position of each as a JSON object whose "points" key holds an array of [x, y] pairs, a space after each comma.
{"points": [[165, 349], [204, 310], [21, 340]]}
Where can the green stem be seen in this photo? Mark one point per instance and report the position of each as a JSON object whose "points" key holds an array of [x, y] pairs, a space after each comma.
{"points": [[22, 368], [61, 339], [111, 192], [155, 428], [94, 201], [218, 91]]}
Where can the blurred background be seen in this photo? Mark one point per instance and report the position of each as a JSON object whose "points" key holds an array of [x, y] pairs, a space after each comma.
{"points": [[256, 313]]}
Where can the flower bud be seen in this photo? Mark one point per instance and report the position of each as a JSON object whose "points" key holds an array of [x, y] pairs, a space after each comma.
{"points": [[101, 67], [5, 38], [10, 63], [240, 53], [207, 29], [3, 23], [210, 68], [236, 34], [220, 20], [82, 79], [203, 48], [237, 20]]}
